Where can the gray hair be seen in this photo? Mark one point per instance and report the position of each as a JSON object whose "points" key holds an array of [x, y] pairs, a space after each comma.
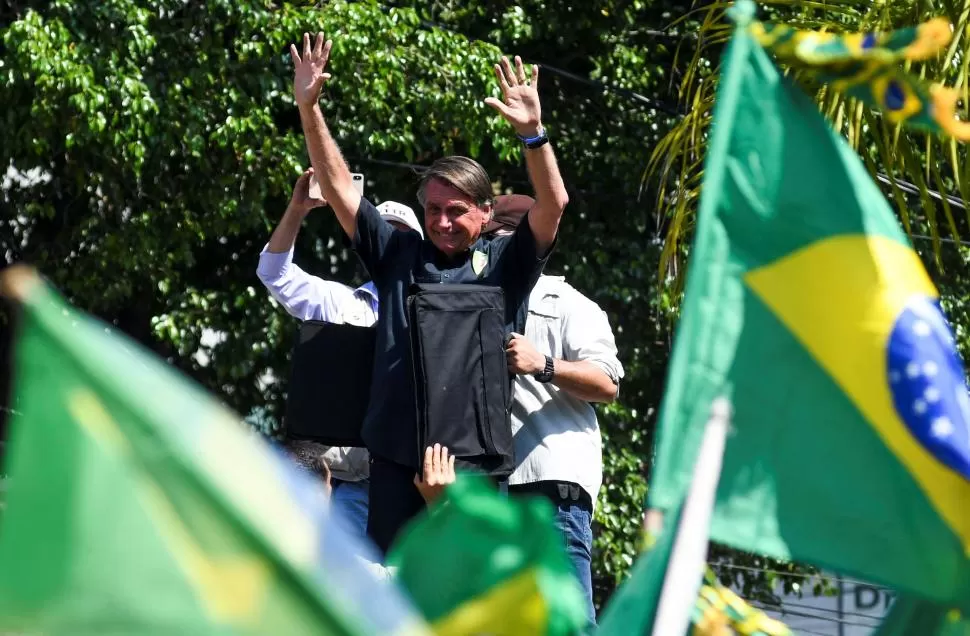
{"points": [[464, 174]]}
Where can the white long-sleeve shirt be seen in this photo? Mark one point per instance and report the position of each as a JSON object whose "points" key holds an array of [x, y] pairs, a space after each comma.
{"points": [[556, 435], [308, 297]]}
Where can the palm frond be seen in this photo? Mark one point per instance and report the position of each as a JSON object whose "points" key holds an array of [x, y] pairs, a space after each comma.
{"points": [[937, 168]]}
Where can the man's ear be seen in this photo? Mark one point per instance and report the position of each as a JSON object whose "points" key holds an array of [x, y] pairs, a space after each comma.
{"points": [[489, 213]]}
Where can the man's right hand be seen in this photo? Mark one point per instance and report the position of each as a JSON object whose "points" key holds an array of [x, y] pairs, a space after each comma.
{"points": [[308, 74], [301, 202], [336, 182]]}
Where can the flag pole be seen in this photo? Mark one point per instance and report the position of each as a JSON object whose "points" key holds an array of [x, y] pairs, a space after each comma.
{"points": [[689, 555]]}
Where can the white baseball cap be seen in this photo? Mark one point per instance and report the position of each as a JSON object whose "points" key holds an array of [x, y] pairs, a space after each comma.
{"points": [[394, 211]]}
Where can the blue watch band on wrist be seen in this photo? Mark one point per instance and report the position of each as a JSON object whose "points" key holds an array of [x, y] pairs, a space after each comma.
{"points": [[532, 140]]}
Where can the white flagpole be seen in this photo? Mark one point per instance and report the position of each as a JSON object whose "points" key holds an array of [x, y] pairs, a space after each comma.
{"points": [[687, 560]]}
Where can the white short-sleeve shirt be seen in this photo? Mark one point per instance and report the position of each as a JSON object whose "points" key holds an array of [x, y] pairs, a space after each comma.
{"points": [[557, 436]]}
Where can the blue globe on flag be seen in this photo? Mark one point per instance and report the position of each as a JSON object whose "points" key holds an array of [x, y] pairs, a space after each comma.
{"points": [[928, 384]]}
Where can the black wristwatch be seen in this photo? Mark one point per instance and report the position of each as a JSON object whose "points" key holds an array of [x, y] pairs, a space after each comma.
{"points": [[546, 374]]}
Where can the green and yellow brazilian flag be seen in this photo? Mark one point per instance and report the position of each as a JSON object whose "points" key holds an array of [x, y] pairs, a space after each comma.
{"points": [[139, 505], [807, 307], [484, 563]]}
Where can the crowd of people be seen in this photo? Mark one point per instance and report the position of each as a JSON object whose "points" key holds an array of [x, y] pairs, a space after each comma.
{"points": [[559, 349]]}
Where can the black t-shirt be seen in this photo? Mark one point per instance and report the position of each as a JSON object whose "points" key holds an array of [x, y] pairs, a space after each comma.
{"points": [[395, 260]]}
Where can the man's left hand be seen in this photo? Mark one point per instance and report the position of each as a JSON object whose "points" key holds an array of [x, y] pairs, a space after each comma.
{"points": [[520, 97], [523, 359]]}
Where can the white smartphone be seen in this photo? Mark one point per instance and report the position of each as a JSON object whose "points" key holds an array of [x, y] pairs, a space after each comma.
{"points": [[314, 188], [317, 193]]}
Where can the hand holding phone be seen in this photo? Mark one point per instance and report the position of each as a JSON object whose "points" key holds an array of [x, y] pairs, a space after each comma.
{"points": [[317, 193]]}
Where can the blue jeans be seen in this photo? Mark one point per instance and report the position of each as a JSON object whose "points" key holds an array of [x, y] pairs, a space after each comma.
{"points": [[350, 500], [575, 522]]}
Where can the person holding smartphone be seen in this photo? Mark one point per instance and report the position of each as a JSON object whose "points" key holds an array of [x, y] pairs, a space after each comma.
{"points": [[456, 195], [308, 297]]}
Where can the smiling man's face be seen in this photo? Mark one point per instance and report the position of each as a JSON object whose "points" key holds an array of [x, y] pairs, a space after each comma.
{"points": [[452, 219]]}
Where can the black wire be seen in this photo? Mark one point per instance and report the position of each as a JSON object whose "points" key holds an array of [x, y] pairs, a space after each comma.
{"points": [[416, 168], [910, 188], [632, 95], [831, 619], [749, 568], [652, 103], [802, 630], [923, 237], [834, 611]]}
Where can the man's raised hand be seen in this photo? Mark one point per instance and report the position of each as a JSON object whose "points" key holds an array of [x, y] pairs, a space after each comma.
{"points": [[520, 98], [308, 73], [439, 472]]}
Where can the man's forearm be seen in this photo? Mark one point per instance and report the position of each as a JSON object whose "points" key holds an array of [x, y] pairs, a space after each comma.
{"points": [[583, 380], [284, 236], [550, 195], [330, 168]]}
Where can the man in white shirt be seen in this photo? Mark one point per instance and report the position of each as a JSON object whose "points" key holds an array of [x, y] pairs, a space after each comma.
{"points": [[566, 359], [307, 297]]}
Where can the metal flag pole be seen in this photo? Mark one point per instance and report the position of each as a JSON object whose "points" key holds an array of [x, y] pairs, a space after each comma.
{"points": [[689, 555]]}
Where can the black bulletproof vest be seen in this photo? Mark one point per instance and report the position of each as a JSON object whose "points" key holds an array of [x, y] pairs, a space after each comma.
{"points": [[461, 379], [330, 383]]}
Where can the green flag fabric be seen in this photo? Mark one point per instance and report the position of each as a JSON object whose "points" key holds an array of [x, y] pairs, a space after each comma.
{"points": [[137, 504], [717, 612], [911, 616], [807, 308], [484, 563]]}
